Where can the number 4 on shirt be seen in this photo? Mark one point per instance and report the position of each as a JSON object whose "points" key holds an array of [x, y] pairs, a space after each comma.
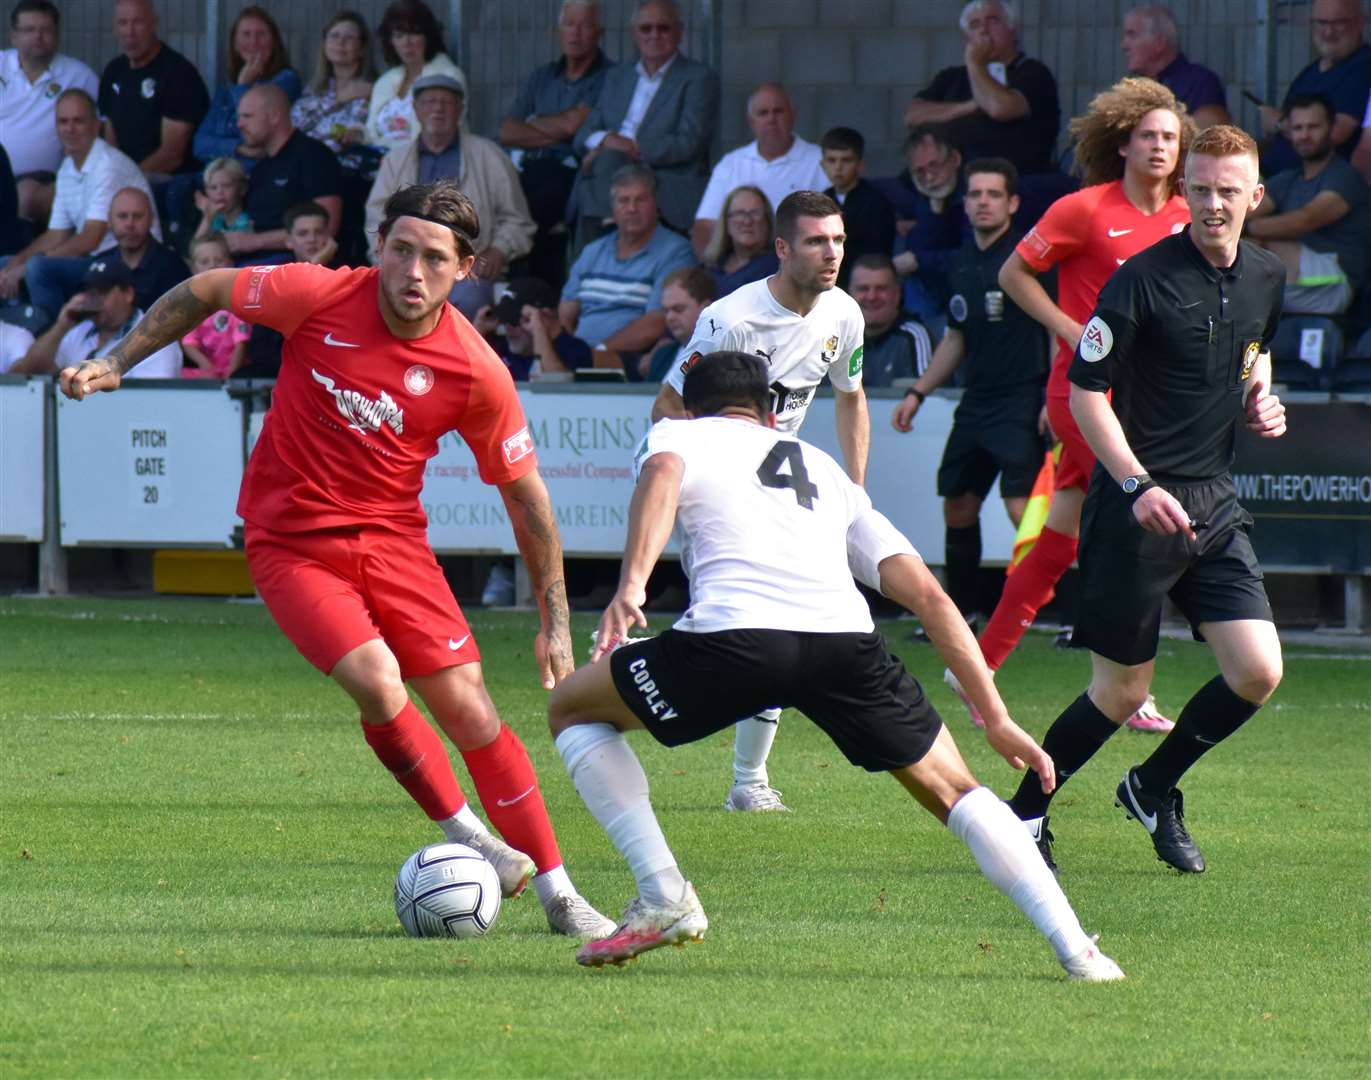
{"points": [[769, 472]]}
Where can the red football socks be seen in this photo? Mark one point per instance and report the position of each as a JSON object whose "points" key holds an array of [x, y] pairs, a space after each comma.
{"points": [[1027, 589], [417, 758], [508, 789]]}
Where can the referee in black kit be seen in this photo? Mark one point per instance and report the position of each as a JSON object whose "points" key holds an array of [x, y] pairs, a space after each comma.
{"points": [[998, 427], [1180, 335]]}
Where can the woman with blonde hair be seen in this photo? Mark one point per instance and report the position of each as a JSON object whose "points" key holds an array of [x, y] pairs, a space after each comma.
{"points": [[333, 108], [742, 248]]}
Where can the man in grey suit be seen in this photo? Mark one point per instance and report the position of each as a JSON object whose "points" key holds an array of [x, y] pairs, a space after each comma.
{"points": [[659, 112]]}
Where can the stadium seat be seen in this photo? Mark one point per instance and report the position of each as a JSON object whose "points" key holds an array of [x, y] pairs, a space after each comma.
{"points": [[33, 319], [1304, 350], [1352, 376]]}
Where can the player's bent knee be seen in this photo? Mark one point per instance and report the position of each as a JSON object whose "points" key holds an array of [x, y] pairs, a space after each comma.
{"points": [[1258, 681], [371, 676]]}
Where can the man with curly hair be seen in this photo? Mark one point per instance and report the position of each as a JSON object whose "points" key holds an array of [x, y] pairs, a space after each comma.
{"points": [[1130, 148]]}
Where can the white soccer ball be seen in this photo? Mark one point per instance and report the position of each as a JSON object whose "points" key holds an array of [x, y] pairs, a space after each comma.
{"points": [[447, 890]]}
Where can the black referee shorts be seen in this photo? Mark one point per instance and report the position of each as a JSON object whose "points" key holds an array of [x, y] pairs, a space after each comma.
{"points": [[685, 686], [990, 439], [1126, 571]]}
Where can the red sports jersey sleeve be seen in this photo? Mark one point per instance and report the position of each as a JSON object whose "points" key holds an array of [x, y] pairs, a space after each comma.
{"points": [[493, 423], [1059, 233], [283, 297]]}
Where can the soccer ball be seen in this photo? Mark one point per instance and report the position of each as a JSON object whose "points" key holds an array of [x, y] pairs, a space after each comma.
{"points": [[447, 890]]}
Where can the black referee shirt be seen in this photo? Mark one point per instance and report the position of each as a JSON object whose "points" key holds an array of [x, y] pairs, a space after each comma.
{"points": [[1006, 351], [1176, 338]]}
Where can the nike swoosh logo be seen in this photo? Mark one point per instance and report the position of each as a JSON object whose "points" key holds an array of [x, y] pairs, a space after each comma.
{"points": [[1120, 261], [1119, 232], [1149, 821], [329, 339], [1187, 307], [455, 645], [511, 802]]}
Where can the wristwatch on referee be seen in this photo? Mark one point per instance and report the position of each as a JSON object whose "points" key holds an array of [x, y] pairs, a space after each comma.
{"points": [[916, 393], [1134, 486]]}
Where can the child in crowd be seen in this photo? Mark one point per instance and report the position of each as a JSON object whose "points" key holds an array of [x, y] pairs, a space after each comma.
{"points": [[307, 235], [217, 346], [869, 217], [685, 293], [221, 205]]}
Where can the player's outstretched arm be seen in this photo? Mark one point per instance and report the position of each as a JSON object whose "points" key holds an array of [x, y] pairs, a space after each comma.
{"points": [[540, 545], [907, 581], [650, 517], [175, 314]]}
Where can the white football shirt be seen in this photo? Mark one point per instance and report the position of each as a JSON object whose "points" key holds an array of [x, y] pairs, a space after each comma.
{"points": [[764, 521], [799, 351]]}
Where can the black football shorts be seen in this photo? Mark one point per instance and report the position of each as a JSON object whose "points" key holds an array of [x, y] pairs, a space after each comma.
{"points": [[1127, 571], [686, 686]]}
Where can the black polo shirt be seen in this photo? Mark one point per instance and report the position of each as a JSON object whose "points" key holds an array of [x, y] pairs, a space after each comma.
{"points": [[159, 270], [302, 169], [1176, 338], [135, 100], [1006, 351]]}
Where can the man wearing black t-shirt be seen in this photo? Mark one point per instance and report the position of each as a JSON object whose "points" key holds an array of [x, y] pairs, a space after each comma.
{"points": [[1180, 335], [151, 96], [295, 169], [1000, 102], [995, 431]]}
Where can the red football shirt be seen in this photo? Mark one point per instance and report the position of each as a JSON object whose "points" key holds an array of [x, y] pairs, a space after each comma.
{"points": [[357, 412], [1088, 235]]}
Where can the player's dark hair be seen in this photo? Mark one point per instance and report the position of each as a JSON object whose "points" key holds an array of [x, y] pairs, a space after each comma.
{"points": [[441, 202], [800, 204], [844, 138], [413, 17], [698, 283], [1000, 167], [299, 210], [721, 380], [40, 7], [1310, 101]]}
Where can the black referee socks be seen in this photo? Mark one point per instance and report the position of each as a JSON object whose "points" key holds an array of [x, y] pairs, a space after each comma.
{"points": [[1071, 741], [1213, 714], [962, 560]]}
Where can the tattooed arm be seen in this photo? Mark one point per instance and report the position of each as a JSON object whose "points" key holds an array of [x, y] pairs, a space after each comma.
{"points": [[535, 531], [172, 317]]}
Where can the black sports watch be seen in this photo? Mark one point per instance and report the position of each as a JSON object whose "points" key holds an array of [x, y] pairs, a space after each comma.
{"points": [[1134, 486]]}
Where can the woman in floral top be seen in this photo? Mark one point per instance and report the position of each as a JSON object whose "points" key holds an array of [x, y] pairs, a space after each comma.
{"points": [[333, 108]]}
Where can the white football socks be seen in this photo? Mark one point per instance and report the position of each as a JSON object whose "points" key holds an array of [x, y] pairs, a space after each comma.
{"points": [[462, 824], [611, 782], [552, 884], [752, 739], [1008, 857]]}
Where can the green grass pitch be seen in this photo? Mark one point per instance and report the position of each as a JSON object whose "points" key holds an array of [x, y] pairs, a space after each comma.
{"points": [[198, 851]]}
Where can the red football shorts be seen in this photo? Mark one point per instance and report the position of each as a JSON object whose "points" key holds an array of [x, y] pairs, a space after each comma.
{"points": [[1078, 460], [334, 590]]}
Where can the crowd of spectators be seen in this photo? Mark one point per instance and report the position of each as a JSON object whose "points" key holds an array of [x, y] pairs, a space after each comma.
{"points": [[606, 223]]}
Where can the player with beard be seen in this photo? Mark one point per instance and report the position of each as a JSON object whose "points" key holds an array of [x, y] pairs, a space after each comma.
{"points": [[804, 328], [1130, 147], [376, 367]]}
